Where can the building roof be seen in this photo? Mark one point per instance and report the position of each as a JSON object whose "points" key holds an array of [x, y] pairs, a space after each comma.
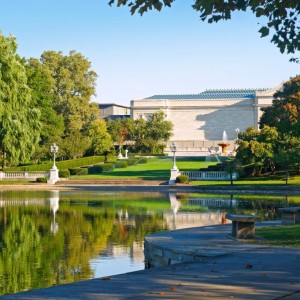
{"points": [[105, 105], [211, 94]]}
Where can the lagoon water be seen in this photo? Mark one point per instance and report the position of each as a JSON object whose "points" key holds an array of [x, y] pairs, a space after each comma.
{"points": [[55, 237]]}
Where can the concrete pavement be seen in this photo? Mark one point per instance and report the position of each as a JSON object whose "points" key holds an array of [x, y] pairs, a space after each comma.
{"points": [[226, 269]]}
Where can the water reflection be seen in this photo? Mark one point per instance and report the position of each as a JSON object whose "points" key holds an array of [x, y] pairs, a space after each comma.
{"points": [[175, 204], [54, 205], [92, 234]]}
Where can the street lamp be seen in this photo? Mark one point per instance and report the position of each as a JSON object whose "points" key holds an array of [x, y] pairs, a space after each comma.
{"points": [[173, 149], [54, 150]]}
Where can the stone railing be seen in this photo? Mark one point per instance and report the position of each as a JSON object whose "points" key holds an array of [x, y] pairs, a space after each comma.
{"points": [[209, 175], [23, 175]]}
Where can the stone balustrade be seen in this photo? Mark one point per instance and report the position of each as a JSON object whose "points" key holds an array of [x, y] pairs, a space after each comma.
{"points": [[209, 175], [23, 175]]}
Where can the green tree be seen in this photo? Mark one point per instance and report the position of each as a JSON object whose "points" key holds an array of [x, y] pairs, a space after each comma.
{"points": [[52, 124], [287, 155], [19, 118], [74, 145], [152, 135], [120, 130], [101, 142], [284, 113], [73, 87], [256, 148], [280, 17]]}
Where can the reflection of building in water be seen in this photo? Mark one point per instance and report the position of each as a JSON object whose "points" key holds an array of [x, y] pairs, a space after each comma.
{"points": [[213, 202], [135, 251], [54, 205], [21, 202], [193, 219], [181, 220]]}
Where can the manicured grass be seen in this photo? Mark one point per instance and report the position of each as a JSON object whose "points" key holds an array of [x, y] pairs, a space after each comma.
{"points": [[159, 168], [280, 236], [155, 168], [278, 181]]}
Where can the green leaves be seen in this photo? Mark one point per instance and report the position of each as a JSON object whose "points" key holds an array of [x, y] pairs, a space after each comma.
{"points": [[264, 31], [19, 119]]}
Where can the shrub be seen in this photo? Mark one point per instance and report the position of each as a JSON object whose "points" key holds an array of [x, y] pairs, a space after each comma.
{"points": [[42, 179], [66, 164], [132, 161], [121, 164], [96, 169], [83, 171], [182, 179], [63, 173], [79, 171], [142, 160]]}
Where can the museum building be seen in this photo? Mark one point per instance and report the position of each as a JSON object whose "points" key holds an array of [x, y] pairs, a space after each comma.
{"points": [[200, 120]]}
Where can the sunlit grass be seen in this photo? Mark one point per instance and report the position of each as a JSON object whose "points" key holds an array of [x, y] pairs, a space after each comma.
{"points": [[155, 168], [280, 236]]}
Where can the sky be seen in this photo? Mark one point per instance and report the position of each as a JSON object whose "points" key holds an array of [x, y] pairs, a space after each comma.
{"points": [[167, 52]]}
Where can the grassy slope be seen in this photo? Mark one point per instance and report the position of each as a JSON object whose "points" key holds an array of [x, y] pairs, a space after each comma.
{"points": [[155, 168]]}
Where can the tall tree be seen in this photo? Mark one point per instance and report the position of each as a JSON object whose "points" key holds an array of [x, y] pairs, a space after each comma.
{"points": [[284, 113], [52, 124], [257, 148], [120, 130], [19, 118], [287, 155], [152, 135], [74, 85], [280, 17], [101, 142]]}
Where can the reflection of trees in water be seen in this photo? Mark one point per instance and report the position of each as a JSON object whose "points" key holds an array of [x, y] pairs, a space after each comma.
{"points": [[32, 257]]}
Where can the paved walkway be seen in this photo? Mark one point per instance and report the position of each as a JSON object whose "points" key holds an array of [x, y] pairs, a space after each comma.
{"points": [[228, 270]]}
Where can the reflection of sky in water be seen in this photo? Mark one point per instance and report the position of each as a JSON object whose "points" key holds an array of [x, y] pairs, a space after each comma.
{"points": [[119, 263], [113, 266]]}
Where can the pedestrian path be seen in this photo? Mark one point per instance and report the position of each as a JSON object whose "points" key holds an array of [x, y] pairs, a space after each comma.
{"points": [[228, 270]]}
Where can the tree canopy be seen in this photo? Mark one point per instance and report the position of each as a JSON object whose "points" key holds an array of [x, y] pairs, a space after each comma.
{"points": [[19, 118], [284, 113], [73, 86], [280, 18]]}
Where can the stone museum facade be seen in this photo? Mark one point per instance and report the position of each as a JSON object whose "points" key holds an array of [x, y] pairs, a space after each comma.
{"points": [[200, 119]]}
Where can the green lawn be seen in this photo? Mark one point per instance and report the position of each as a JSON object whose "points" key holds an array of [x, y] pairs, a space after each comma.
{"points": [[155, 168], [159, 169], [280, 236]]}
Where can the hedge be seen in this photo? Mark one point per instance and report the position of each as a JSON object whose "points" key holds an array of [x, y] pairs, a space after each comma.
{"points": [[61, 165], [96, 169], [79, 171], [64, 173], [121, 164], [42, 179], [142, 160], [132, 161], [182, 179]]}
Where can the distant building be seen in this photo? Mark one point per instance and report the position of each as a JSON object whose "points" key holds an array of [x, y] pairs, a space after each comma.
{"points": [[113, 111], [200, 119]]}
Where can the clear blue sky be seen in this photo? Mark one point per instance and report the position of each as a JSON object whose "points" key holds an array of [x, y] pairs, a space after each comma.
{"points": [[171, 52]]}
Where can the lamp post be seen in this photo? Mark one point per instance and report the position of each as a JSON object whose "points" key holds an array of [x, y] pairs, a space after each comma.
{"points": [[54, 150], [173, 149]]}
